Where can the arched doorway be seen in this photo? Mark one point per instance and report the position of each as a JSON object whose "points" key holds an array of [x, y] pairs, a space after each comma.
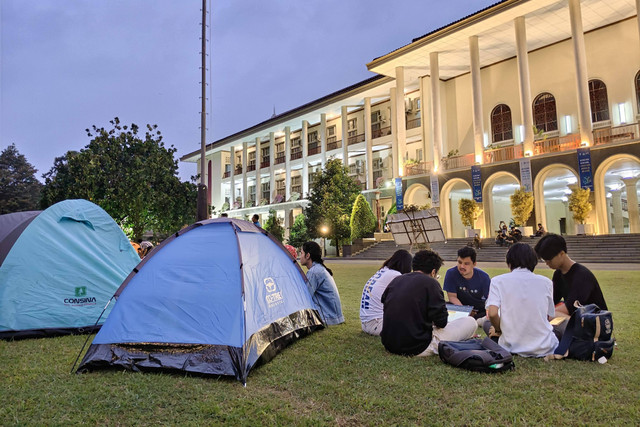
{"points": [[616, 192], [451, 193], [417, 194], [496, 194], [551, 194]]}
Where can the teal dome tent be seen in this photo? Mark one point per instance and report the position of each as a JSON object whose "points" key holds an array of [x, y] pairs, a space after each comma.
{"points": [[59, 268]]}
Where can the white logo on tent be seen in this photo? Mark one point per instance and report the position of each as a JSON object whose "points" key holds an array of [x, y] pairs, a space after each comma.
{"points": [[273, 298]]}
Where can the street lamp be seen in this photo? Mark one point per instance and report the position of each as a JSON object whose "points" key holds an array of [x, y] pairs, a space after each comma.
{"points": [[324, 230]]}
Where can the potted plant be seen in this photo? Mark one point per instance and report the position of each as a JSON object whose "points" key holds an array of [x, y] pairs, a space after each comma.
{"points": [[469, 212], [580, 207], [521, 208], [363, 221]]}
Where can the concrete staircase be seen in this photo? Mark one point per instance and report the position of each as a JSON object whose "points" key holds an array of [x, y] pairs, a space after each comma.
{"points": [[620, 248]]}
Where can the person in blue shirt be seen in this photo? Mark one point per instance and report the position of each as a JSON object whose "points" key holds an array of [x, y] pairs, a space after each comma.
{"points": [[467, 285], [322, 287], [255, 219]]}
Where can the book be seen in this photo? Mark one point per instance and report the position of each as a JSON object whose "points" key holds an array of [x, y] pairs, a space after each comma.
{"points": [[458, 311]]}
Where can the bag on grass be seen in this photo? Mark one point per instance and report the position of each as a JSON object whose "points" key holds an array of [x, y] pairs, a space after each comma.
{"points": [[588, 336], [476, 355]]}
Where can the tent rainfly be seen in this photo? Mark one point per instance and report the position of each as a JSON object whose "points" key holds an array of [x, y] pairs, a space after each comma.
{"points": [[216, 298]]}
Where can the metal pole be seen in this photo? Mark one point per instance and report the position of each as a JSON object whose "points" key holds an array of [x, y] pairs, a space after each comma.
{"points": [[202, 208]]}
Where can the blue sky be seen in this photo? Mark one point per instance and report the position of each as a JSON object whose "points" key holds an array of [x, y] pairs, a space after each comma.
{"points": [[68, 64]]}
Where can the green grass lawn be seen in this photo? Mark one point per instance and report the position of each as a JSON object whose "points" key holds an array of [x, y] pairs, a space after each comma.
{"points": [[335, 376]]}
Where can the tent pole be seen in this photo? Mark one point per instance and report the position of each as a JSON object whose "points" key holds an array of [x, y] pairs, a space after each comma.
{"points": [[88, 335]]}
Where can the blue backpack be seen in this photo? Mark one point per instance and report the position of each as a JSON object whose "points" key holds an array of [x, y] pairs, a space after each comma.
{"points": [[588, 336]]}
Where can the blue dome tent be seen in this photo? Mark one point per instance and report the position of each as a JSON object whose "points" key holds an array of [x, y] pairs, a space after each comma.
{"points": [[217, 298], [59, 268]]}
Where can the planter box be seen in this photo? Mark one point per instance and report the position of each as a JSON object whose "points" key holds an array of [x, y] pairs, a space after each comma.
{"points": [[526, 231], [346, 251], [582, 229], [471, 232]]}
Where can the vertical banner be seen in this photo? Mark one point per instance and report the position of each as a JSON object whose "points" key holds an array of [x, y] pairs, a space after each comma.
{"points": [[584, 168], [399, 201], [476, 181], [435, 192], [525, 175]]}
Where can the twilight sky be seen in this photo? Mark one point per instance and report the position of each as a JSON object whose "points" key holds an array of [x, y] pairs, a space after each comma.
{"points": [[68, 64]]}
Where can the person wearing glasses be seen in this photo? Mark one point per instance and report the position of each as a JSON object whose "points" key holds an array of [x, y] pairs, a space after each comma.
{"points": [[415, 313]]}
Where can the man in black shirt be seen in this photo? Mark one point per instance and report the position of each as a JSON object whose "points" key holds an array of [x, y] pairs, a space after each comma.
{"points": [[415, 312], [571, 281]]}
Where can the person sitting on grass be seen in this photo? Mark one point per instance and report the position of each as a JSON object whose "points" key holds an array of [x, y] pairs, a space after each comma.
{"points": [[571, 281], [415, 313], [322, 287], [370, 305], [466, 284], [520, 305]]}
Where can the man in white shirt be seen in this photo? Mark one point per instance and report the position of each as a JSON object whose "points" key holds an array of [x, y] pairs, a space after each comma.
{"points": [[520, 305]]}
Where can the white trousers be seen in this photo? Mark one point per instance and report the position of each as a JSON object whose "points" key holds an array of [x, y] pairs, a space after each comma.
{"points": [[372, 327], [458, 330]]}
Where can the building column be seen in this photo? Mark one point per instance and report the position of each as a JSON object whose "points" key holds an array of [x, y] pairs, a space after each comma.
{"points": [[304, 136], [632, 203], [244, 174], [476, 88], [272, 166], [368, 149], [287, 163], [427, 125], [616, 201], [582, 77], [257, 174], [345, 135], [395, 153], [638, 15], [400, 137], [436, 111], [323, 137], [524, 79], [217, 169], [232, 173]]}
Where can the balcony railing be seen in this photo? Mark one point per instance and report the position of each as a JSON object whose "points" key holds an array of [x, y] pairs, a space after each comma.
{"points": [[251, 166], [297, 155], [227, 174], [501, 154], [355, 139], [280, 158], [557, 144], [314, 148], [238, 170], [455, 162], [418, 168], [333, 145], [413, 123], [377, 133], [265, 163], [615, 134]]}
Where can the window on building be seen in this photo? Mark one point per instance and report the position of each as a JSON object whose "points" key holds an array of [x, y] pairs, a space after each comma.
{"points": [[266, 151], [545, 117], [281, 188], [501, 127], [313, 136], [296, 146], [419, 154], [265, 190], [637, 83], [296, 184], [352, 127], [599, 101], [331, 131]]}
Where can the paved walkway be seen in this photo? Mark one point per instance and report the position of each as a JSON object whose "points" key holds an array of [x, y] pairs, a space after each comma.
{"points": [[541, 266]]}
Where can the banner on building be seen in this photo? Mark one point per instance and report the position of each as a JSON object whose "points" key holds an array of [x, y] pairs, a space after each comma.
{"points": [[435, 192], [399, 201], [476, 181], [525, 175], [584, 167]]}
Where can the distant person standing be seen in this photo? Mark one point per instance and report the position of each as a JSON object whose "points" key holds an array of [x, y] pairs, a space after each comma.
{"points": [[322, 287], [256, 220], [371, 306], [466, 284]]}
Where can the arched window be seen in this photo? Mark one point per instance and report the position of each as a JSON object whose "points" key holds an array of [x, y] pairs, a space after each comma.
{"points": [[599, 101], [545, 117], [501, 127], [637, 82]]}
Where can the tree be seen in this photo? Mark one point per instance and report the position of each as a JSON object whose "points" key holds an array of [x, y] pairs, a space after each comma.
{"points": [[363, 221], [332, 196], [274, 226], [298, 234], [133, 178], [521, 206], [469, 212], [579, 204], [19, 187]]}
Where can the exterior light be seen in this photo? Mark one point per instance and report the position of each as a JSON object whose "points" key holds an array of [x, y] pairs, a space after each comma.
{"points": [[528, 153], [479, 159], [584, 144]]}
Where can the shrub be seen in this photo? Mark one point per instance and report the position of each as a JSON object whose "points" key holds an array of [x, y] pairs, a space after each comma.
{"points": [[521, 206], [298, 234], [363, 221], [274, 225], [469, 212], [579, 204]]}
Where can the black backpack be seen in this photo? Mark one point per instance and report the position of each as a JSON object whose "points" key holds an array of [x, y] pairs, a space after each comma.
{"points": [[476, 355], [588, 336]]}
